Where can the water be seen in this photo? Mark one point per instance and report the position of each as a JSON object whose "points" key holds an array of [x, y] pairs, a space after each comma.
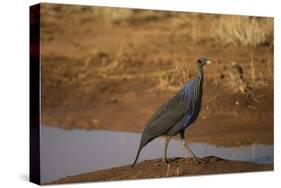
{"points": [[67, 153]]}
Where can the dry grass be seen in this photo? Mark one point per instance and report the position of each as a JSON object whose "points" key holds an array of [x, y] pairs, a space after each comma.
{"points": [[169, 80], [112, 14], [105, 65], [105, 13], [235, 30], [117, 60], [235, 80], [173, 79], [244, 31]]}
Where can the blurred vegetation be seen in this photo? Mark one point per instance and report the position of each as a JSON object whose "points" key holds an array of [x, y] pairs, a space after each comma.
{"points": [[244, 31], [228, 29], [112, 14]]}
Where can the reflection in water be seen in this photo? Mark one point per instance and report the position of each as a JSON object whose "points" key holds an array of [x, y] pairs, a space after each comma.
{"points": [[68, 153]]}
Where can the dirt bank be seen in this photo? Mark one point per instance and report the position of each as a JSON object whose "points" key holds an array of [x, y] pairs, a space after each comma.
{"points": [[157, 168]]}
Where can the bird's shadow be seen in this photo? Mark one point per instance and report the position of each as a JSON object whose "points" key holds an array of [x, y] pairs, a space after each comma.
{"points": [[175, 159], [205, 160]]}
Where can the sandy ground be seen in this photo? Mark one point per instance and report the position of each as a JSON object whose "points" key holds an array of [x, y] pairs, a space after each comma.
{"points": [[159, 169], [100, 73]]}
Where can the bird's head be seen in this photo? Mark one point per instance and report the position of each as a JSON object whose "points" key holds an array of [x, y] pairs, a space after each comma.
{"points": [[203, 61]]}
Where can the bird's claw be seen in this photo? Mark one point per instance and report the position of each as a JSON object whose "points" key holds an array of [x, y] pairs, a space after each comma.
{"points": [[201, 161]]}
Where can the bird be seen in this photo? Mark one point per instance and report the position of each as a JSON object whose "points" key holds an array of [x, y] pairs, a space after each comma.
{"points": [[237, 70], [175, 115]]}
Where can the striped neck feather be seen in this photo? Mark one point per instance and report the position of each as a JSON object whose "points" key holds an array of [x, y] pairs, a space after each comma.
{"points": [[187, 90]]}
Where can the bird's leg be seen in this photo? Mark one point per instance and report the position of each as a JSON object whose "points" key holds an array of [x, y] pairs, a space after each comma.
{"points": [[193, 155], [189, 150], [165, 149]]}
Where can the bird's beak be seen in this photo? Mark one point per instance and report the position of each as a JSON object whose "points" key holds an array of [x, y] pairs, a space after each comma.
{"points": [[208, 62]]}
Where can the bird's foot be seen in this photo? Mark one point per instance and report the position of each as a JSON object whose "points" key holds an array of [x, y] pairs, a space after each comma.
{"points": [[165, 160], [171, 160], [201, 161]]}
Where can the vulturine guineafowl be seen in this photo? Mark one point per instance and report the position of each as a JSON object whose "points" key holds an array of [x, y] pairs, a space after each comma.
{"points": [[176, 114]]}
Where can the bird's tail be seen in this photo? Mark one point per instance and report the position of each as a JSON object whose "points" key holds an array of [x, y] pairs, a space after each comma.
{"points": [[138, 154], [143, 142]]}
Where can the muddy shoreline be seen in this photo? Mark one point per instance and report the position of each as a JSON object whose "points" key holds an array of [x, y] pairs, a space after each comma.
{"points": [[158, 169]]}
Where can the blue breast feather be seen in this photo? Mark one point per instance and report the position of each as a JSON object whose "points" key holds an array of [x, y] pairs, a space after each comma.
{"points": [[186, 93], [188, 117]]}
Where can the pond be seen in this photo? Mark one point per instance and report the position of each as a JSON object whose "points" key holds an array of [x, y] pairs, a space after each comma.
{"points": [[72, 152]]}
